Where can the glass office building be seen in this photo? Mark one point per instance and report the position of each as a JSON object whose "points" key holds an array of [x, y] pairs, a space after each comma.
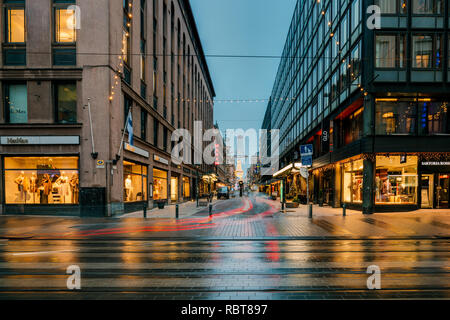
{"points": [[372, 100]]}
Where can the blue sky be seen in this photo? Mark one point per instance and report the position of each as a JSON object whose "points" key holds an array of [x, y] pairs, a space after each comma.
{"points": [[242, 27]]}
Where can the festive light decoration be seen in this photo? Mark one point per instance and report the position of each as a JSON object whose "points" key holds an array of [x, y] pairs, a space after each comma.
{"points": [[119, 70]]}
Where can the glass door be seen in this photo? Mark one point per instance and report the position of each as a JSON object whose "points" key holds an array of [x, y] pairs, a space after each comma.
{"points": [[442, 191], [427, 184]]}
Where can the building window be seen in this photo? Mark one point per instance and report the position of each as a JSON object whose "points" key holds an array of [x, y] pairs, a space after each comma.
{"points": [[15, 23], [427, 51], [65, 25], [396, 180], [155, 132], [434, 117], [186, 188], [159, 184], [355, 65], [41, 180], [390, 51], [135, 182], [353, 127], [428, 6], [392, 6], [394, 116], [16, 103], [165, 138], [353, 181], [66, 103], [143, 125]]}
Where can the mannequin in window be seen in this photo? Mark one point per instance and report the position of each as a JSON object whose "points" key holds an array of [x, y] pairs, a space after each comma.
{"points": [[33, 186], [128, 188], [23, 185], [64, 190], [74, 188], [46, 188]]}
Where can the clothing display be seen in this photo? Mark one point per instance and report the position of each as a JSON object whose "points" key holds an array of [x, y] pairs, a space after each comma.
{"points": [[128, 188]]}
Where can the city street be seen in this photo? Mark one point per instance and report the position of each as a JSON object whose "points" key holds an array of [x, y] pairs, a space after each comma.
{"points": [[247, 249]]}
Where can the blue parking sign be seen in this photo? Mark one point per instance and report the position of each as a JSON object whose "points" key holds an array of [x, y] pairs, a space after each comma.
{"points": [[307, 161], [306, 150]]}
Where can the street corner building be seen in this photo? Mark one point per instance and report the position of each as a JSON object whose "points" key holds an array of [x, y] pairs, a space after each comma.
{"points": [[373, 101], [91, 93]]}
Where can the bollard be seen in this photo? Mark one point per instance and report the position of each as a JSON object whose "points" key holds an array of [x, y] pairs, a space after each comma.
{"points": [[344, 210], [282, 206], [310, 210], [177, 211], [145, 210], [210, 210]]}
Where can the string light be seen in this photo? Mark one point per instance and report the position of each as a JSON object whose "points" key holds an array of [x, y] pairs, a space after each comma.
{"points": [[121, 58]]}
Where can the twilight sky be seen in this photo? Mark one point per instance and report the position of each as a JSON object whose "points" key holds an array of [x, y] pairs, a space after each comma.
{"points": [[242, 27]]}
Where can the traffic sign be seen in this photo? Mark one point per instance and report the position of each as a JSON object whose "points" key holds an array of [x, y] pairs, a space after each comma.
{"points": [[307, 161], [306, 150], [304, 172]]}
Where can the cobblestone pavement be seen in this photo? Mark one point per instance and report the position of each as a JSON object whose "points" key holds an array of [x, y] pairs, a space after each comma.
{"points": [[254, 218], [247, 249]]}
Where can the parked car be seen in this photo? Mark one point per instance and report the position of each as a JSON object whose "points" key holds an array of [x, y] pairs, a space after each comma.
{"points": [[223, 192]]}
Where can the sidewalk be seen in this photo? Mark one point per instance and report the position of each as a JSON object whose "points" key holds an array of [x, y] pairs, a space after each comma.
{"points": [[186, 209], [327, 211]]}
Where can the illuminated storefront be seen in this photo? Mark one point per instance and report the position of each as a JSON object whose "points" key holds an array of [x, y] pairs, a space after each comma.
{"points": [[396, 180], [159, 185], [186, 188], [135, 182], [41, 180], [174, 189], [352, 181]]}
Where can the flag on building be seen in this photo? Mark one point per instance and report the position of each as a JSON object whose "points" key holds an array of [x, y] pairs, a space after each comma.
{"points": [[130, 129]]}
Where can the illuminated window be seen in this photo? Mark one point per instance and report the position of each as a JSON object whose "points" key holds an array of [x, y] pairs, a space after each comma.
{"points": [[41, 180], [65, 25], [15, 25], [159, 184], [353, 181], [135, 182], [396, 180]]}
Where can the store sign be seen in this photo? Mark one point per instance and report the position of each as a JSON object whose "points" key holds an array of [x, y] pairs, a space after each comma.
{"points": [[159, 159], [445, 163], [40, 140], [100, 164], [137, 150]]}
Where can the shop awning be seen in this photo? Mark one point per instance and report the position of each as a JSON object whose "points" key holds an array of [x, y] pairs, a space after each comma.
{"points": [[210, 178], [289, 169]]}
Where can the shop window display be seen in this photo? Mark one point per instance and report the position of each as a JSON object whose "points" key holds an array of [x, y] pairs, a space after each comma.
{"points": [[396, 180], [41, 180], [135, 182], [186, 188], [353, 181], [159, 184]]}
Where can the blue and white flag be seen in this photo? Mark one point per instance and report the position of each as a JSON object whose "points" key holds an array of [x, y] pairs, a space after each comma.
{"points": [[130, 129]]}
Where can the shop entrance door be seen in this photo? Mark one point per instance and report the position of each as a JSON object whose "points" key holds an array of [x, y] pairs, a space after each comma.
{"points": [[442, 191], [427, 192]]}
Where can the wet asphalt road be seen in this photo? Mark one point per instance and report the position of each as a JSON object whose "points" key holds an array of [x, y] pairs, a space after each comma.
{"points": [[113, 267]]}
